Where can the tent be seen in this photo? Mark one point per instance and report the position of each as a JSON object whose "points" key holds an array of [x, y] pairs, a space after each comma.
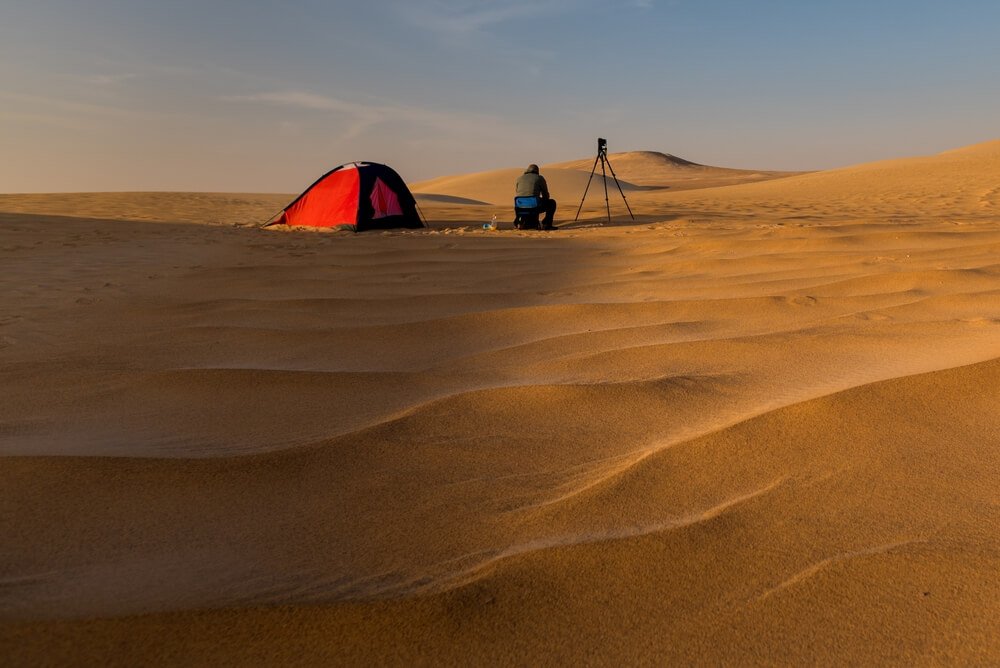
{"points": [[359, 195]]}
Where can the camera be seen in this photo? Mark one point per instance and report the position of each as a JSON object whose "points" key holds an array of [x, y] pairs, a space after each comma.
{"points": [[602, 157]]}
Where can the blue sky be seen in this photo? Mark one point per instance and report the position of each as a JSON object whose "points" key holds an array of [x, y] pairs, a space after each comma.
{"points": [[262, 97]]}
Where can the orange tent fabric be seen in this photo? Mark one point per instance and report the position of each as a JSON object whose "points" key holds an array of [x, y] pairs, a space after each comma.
{"points": [[359, 195]]}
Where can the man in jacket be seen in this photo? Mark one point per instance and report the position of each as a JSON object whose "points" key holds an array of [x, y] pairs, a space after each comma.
{"points": [[532, 184]]}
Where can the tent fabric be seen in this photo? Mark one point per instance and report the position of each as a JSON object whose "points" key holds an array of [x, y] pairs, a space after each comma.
{"points": [[331, 202], [384, 201], [359, 195]]}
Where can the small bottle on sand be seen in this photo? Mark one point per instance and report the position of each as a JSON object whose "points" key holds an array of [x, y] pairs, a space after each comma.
{"points": [[492, 225]]}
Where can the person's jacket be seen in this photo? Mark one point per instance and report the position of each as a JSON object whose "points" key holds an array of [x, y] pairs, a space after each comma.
{"points": [[531, 184]]}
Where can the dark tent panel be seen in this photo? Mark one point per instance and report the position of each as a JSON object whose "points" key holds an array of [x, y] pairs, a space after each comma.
{"points": [[359, 195]]}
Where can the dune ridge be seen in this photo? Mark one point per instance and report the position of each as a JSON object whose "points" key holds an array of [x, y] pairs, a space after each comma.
{"points": [[500, 584], [653, 168], [497, 187], [758, 427], [636, 171]]}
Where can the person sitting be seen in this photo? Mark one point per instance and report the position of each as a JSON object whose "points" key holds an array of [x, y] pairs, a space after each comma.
{"points": [[532, 184]]}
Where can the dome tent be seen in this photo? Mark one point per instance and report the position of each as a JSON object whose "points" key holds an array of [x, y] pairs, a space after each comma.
{"points": [[359, 195]]}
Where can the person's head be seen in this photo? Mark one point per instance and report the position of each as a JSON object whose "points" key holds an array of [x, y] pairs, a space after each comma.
{"points": [[532, 169]]}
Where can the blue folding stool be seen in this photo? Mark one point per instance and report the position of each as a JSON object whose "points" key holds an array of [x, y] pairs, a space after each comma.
{"points": [[526, 211]]}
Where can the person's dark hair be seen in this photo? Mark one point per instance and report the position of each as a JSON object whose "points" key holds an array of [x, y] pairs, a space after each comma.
{"points": [[533, 168]]}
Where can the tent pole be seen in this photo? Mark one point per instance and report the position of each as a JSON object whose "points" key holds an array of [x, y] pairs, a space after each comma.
{"points": [[274, 215], [420, 211]]}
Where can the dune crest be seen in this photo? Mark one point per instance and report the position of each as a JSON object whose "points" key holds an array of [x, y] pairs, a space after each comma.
{"points": [[497, 187], [636, 170]]}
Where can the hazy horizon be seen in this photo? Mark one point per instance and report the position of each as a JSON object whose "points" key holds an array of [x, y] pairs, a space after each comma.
{"points": [[100, 95]]}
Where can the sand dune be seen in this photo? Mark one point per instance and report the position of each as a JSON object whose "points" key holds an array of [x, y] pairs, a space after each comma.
{"points": [[636, 171], [758, 428], [202, 208], [959, 184], [497, 187], [448, 199], [652, 168]]}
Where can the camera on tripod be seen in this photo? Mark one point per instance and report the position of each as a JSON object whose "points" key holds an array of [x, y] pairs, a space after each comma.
{"points": [[602, 157]]}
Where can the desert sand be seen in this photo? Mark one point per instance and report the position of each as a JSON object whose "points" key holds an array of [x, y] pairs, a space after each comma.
{"points": [[758, 425]]}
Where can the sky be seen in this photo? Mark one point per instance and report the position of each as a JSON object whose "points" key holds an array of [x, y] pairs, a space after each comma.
{"points": [[254, 96]]}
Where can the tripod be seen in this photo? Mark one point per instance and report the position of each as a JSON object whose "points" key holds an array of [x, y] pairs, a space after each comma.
{"points": [[602, 157]]}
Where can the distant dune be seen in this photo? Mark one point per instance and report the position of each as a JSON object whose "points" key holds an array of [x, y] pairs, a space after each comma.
{"points": [[964, 183], [758, 426], [448, 199], [651, 168], [497, 187], [192, 207], [636, 171]]}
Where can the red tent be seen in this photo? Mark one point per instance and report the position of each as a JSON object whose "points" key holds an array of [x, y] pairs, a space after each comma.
{"points": [[359, 195]]}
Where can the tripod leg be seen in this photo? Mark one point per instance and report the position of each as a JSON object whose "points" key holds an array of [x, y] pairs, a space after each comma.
{"points": [[624, 199], [592, 170], [604, 175]]}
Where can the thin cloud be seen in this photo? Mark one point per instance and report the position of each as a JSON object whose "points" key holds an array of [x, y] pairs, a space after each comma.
{"points": [[461, 17], [107, 79], [304, 100], [37, 118], [361, 117], [50, 104]]}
